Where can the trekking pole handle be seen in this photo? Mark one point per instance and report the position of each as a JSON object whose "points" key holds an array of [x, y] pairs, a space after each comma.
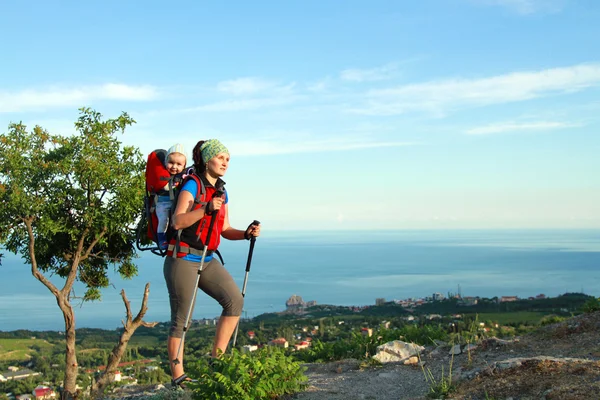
{"points": [[252, 241], [218, 193]]}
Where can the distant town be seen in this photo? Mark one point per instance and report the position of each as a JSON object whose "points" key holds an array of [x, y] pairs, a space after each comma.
{"points": [[296, 304]]}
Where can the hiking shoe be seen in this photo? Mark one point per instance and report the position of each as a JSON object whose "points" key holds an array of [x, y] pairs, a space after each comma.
{"points": [[182, 382]]}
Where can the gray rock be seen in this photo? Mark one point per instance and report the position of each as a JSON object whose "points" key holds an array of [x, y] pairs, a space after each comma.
{"points": [[469, 347], [397, 351]]}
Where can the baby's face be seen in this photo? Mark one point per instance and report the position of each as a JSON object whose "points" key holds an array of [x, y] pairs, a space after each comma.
{"points": [[175, 163]]}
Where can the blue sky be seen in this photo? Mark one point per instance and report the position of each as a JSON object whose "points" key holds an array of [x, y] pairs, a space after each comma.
{"points": [[338, 115]]}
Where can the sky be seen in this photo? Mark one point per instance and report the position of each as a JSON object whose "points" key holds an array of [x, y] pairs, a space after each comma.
{"points": [[339, 115]]}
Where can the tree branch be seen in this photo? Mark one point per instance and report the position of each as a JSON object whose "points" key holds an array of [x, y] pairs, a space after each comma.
{"points": [[91, 246], [127, 308], [117, 353], [75, 264], [102, 195], [34, 267]]}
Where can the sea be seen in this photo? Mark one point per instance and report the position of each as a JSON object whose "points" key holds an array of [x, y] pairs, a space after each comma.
{"points": [[350, 268]]}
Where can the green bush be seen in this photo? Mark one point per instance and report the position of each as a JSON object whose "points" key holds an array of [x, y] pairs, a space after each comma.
{"points": [[360, 346], [422, 335], [551, 319], [263, 374], [591, 305]]}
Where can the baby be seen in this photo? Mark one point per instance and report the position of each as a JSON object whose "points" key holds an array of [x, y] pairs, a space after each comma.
{"points": [[174, 163]]}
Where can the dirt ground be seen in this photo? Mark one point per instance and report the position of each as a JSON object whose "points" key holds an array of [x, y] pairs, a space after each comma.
{"points": [[559, 361]]}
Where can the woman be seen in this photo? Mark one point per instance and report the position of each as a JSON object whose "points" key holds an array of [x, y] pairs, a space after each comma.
{"points": [[193, 218]]}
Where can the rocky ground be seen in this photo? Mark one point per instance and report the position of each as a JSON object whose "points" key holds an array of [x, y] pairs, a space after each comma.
{"points": [[559, 361], [556, 362]]}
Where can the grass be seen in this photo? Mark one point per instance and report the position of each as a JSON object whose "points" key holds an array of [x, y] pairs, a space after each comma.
{"points": [[19, 349], [439, 388], [143, 341], [513, 317]]}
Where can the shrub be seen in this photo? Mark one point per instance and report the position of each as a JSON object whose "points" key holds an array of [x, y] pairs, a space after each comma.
{"points": [[422, 335], [591, 305], [263, 374], [361, 347], [551, 319]]}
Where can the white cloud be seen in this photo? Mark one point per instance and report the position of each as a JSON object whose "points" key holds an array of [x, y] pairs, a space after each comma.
{"points": [[66, 97], [243, 104], [525, 126], [273, 146], [439, 97], [369, 75], [250, 86], [525, 7], [319, 86]]}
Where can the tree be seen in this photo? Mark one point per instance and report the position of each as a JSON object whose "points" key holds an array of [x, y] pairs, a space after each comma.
{"points": [[68, 207]]}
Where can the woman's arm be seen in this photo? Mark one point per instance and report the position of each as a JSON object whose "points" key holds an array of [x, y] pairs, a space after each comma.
{"points": [[228, 231], [235, 234], [183, 215]]}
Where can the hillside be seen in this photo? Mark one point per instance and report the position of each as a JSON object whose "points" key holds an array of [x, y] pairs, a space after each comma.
{"points": [[558, 361], [555, 361]]}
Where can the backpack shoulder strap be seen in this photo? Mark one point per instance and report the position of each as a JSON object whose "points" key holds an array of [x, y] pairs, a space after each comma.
{"points": [[201, 189]]}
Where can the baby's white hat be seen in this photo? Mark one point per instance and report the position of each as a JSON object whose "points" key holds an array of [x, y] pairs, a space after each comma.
{"points": [[176, 148]]}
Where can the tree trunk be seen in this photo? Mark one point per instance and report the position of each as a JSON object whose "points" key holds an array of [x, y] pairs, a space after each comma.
{"points": [[117, 353], [71, 368]]}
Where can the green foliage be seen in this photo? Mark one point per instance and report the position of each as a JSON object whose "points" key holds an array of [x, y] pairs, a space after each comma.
{"points": [[264, 374], [168, 394], [20, 349], [568, 301], [70, 202], [370, 363], [515, 317], [591, 305], [551, 319], [440, 387], [20, 386], [422, 334], [357, 346], [152, 377], [361, 346]]}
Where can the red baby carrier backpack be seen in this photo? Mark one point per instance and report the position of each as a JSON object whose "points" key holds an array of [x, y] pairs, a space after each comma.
{"points": [[158, 182]]}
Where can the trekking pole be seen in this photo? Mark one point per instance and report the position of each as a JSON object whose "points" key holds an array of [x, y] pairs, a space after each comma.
{"points": [[252, 241], [204, 250]]}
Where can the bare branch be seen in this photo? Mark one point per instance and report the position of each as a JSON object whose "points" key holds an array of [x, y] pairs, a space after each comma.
{"points": [[117, 353], [34, 268], [103, 193], [127, 306], [144, 306]]}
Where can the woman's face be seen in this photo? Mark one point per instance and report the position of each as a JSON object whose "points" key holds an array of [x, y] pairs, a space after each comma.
{"points": [[217, 165]]}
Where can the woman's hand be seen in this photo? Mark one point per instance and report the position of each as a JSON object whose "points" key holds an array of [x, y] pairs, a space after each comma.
{"points": [[253, 230], [214, 204]]}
